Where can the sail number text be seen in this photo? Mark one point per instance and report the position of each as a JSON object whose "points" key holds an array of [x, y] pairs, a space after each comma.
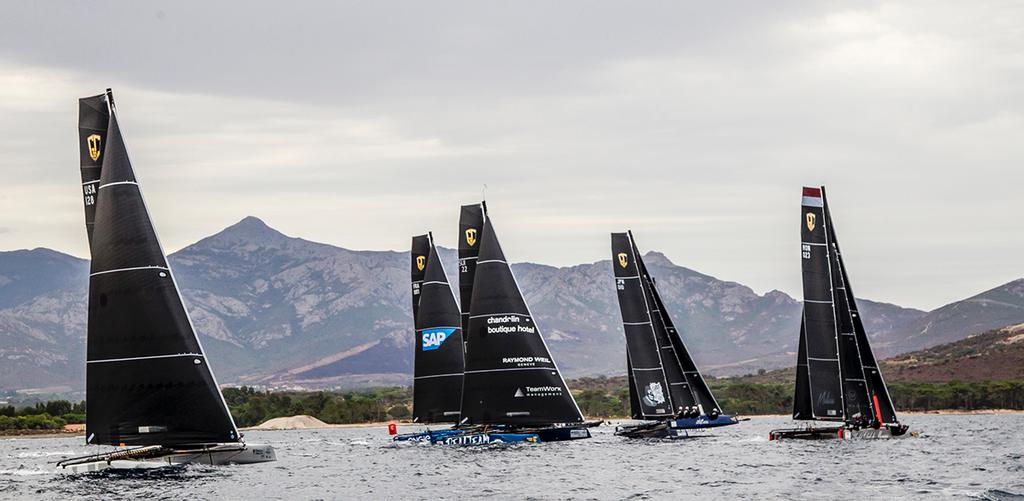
{"points": [[90, 193]]}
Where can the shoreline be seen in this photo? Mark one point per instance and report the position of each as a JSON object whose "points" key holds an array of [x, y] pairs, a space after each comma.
{"points": [[19, 434]]}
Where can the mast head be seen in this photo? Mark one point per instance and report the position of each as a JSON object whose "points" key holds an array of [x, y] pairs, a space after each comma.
{"points": [[812, 197]]}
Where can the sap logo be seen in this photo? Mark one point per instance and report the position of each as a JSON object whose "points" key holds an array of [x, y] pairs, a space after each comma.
{"points": [[433, 338]]}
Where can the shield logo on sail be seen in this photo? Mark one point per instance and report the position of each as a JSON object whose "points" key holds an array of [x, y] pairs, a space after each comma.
{"points": [[471, 236], [421, 262], [810, 221], [623, 262], [94, 146]]}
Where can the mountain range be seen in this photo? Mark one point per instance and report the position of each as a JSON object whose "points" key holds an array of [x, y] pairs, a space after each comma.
{"points": [[276, 310]]}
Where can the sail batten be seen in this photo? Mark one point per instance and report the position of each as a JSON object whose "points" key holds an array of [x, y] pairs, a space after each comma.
{"points": [[144, 360]]}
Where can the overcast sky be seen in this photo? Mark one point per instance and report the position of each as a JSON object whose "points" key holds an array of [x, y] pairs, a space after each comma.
{"points": [[694, 124]]}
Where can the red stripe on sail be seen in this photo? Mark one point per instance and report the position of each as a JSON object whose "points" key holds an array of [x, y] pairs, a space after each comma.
{"points": [[878, 412], [812, 192]]}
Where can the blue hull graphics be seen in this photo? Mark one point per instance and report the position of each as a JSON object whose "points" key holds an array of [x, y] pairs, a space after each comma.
{"points": [[465, 437], [701, 422], [473, 437]]}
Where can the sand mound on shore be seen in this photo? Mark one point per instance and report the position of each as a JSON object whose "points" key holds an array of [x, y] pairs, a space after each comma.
{"points": [[301, 422]]}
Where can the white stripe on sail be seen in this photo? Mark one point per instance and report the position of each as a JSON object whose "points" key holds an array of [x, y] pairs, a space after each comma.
{"points": [[127, 359], [118, 183], [128, 269]]}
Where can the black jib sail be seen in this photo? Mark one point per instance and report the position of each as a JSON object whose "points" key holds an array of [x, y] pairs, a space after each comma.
{"points": [[437, 387], [471, 225], [147, 379], [419, 255], [878, 400], [652, 338], [694, 381], [510, 375], [837, 376]]}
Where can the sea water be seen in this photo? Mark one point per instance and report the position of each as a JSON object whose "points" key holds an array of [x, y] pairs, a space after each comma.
{"points": [[969, 456]]}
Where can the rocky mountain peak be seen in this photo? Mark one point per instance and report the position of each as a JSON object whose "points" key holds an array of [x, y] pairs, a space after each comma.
{"points": [[250, 230], [655, 258]]}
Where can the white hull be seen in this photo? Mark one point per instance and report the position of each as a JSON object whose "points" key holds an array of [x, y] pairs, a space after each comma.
{"points": [[220, 454]]}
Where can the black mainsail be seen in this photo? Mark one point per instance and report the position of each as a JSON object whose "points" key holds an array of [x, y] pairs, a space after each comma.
{"points": [[510, 377], [147, 379], [644, 357], [471, 225], [837, 375], [93, 117], [418, 267], [437, 383], [821, 340], [655, 351]]}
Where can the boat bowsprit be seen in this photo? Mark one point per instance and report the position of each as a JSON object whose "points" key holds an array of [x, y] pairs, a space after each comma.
{"points": [[157, 456]]}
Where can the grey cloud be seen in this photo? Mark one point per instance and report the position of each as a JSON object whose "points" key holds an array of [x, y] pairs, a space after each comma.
{"points": [[361, 123]]}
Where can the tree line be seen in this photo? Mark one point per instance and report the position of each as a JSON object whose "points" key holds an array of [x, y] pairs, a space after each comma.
{"points": [[609, 397], [597, 397], [50, 415]]}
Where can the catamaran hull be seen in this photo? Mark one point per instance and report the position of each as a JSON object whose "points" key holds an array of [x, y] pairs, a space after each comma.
{"points": [[675, 428], [463, 437], [838, 433], [476, 437], [222, 454]]}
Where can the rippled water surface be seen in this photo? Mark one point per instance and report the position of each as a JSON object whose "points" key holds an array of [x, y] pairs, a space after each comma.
{"points": [[979, 457]]}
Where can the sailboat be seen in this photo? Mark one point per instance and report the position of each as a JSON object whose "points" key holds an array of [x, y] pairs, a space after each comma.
{"points": [[666, 391], [837, 375], [512, 391], [150, 391], [438, 366], [511, 379]]}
